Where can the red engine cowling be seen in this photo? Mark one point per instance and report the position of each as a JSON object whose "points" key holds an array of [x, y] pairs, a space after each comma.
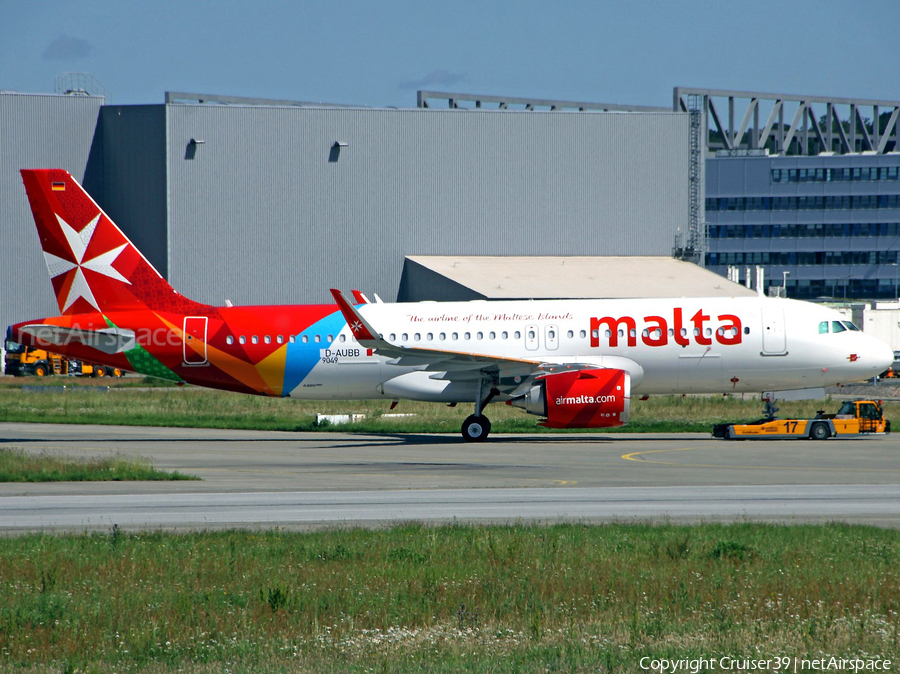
{"points": [[580, 399]]}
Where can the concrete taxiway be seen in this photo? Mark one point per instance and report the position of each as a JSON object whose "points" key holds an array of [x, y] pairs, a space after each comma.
{"points": [[252, 478]]}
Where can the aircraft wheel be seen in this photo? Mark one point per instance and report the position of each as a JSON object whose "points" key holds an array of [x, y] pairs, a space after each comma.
{"points": [[819, 431], [476, 428]]}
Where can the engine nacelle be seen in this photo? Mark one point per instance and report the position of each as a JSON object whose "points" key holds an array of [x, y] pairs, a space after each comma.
{"points": [[580, 399]]}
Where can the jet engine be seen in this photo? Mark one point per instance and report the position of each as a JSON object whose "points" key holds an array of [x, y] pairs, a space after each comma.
{"points": [[599, 398]]}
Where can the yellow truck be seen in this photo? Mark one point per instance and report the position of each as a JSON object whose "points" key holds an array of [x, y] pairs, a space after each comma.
{"points": [[855, 417], [25, 361]]}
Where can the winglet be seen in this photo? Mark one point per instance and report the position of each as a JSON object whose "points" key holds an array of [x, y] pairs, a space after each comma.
{"points": [[359, 297], [362, 331]]}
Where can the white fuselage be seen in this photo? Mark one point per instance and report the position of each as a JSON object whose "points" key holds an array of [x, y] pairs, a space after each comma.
{"points": [[688, 345]]}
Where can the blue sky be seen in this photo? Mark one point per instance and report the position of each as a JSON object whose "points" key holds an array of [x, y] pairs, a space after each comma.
{"points": [[379, 53]]}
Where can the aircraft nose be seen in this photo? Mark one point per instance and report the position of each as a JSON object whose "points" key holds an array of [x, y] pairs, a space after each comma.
{"points": [[882, 355]]}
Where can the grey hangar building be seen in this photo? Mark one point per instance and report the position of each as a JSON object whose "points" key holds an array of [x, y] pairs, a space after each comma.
{"points": [[274, 202]]}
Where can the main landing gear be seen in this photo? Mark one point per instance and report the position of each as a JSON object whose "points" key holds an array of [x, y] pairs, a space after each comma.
{"points": [[476, 427]]}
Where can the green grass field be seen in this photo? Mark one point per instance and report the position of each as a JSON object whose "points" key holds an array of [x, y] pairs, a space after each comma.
{"points": [[17, 465], [567, 598], [204, 408]]}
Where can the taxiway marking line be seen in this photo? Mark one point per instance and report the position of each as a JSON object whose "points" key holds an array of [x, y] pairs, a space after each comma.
{"points": [[633, 457]]}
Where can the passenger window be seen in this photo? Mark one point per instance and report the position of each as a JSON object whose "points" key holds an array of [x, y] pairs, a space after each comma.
{"points": [[293, 339], [531, 334], [430, 336], [254, 339], [342, 338], [518, 335], [468, 335], [570, 334], [417, 336], [279, 339], [837, 327], [267, 339], [595, 334], [393, 337], [305, 339], [552, 334], [492, 335], [454, 336], [242, 340], [330, 338], [442, 336], [504, 334], [317, 338], [229, 339], [404, 337], [582, 334]]}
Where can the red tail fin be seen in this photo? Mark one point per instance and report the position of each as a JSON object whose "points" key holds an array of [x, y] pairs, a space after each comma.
{"points": [[93, 266]]}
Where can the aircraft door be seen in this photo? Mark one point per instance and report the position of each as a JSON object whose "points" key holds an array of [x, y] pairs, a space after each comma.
{"points": [[194, 341], [774, 339], [551, 337], [531, 337]]}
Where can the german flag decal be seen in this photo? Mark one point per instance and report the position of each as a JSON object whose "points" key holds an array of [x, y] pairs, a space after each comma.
{"points": [[58, 187]]}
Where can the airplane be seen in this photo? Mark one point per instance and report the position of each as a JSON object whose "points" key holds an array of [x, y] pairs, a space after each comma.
{"points": [[576, 363]]}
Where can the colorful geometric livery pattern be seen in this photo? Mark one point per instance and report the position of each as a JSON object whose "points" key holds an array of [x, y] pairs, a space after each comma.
{"points": [[104, 285]]}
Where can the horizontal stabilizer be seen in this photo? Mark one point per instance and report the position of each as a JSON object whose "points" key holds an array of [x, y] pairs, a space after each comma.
{"points": [[107, 340]]}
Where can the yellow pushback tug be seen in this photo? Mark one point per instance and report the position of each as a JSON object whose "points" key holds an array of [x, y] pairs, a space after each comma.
{"points": [[856, 417]]}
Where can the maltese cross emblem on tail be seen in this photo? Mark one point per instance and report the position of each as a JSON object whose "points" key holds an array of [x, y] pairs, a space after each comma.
{"points": [[79, 242]]}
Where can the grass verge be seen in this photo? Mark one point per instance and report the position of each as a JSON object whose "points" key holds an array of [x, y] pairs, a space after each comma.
{"points": [[17, 465], [204, 408], [500, 599]]}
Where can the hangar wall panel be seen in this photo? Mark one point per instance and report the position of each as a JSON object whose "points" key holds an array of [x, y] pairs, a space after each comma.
{"points": [[134, 170], [38, 131], [267, 211]]}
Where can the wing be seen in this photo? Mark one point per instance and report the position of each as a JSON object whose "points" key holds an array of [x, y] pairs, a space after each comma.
{"points": [[508, 373]]}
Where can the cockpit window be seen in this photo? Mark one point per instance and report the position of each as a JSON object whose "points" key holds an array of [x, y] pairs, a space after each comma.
{"points": [[837, 326], [823, 327], [850, 326]]}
